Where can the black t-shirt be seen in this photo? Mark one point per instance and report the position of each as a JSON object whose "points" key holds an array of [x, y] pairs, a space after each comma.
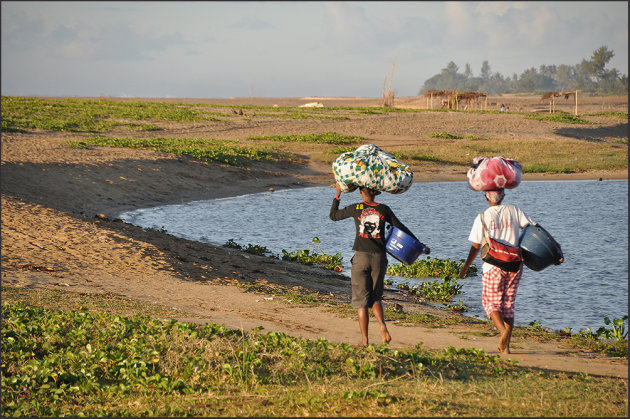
{"points": [[369, 220]]}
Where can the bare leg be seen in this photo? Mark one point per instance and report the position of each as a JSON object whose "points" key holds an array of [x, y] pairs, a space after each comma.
{"points": [[377, 308], [509, 325], [364, 318], [497, 319]]}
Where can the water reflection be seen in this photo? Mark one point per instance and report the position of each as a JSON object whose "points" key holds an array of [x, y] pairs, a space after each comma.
{"points": [[588, 218]]}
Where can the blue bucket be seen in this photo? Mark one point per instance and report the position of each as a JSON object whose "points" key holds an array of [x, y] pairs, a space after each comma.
{"points": [[402, 246], [539, 249]]}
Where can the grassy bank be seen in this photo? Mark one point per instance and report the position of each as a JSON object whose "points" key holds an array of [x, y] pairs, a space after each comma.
{"points": [[109, 356], [538, 155]]}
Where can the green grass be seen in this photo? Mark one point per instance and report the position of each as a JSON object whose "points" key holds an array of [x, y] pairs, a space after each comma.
{"points": [[86, 363], [558, 117], [92, 115], [229, 152], [448, 136], [323, 138], [568, 155], [614, 114]]}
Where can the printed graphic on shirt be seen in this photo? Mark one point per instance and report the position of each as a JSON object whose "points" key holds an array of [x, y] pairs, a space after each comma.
{"points": [[503, 224], [369, 224]]}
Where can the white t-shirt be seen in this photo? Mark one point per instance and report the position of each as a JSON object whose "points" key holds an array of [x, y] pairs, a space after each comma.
{"points": [[503, 223]]}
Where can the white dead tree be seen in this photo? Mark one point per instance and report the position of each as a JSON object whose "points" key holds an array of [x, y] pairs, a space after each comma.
{"points": [[388, 96]]}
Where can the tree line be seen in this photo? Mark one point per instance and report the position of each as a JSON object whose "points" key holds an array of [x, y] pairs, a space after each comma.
{"points": [[588, 76]]}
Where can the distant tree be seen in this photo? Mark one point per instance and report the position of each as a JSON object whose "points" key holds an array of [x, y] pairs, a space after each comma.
{"points": [[623, 80], [565, 77], [468, 71], [448, 79], [589, 76], [546, 76], [598, 62], [583, 73], [527, 81], [485, 70]]}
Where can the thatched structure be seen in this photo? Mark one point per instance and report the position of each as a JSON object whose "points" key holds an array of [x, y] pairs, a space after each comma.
{"points": [[473, 98], [452, 98], [445, 95], [551, 97]]}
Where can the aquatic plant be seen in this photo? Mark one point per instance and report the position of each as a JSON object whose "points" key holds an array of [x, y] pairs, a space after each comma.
{"points": [[617, 330], [250, 248], [426, 268], [440, 291], [308, 257], [458, 308]]}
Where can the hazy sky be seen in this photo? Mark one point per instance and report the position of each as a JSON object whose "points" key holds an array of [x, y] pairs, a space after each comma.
{"points": [[289, 49]]}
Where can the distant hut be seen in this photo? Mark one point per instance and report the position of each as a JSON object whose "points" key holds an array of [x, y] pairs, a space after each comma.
{"points": [[451, 99], [472, 98], [551, 97], [445, 96]]}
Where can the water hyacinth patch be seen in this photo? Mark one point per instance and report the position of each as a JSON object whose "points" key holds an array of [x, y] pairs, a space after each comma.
{"points": [[306, 256], [430, 267]]}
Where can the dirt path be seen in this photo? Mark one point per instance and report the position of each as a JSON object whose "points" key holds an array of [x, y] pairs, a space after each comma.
{"points": [[53, 238]]}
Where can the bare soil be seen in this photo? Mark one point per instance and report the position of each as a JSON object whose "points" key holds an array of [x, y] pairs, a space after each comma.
{"points": [[59, 226]]}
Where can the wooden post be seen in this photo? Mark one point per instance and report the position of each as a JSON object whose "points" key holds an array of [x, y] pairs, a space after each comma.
{"points": [[576, 103]]}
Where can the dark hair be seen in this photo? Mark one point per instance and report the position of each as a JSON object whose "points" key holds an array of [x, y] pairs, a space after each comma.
{"points": [[370, 190]]}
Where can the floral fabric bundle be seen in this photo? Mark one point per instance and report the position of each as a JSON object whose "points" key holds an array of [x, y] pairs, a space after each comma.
{"points": [[494, 173], [371, 167]]}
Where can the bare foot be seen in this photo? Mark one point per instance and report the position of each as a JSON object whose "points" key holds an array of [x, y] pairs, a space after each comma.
{"points": [[385, 334], [504, 344]]}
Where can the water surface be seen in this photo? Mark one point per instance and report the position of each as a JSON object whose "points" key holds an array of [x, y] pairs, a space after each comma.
{"points": [[588, 218]]}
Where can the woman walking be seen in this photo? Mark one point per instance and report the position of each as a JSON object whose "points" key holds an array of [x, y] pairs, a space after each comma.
{"points": [[369, 263], [502, 223]]}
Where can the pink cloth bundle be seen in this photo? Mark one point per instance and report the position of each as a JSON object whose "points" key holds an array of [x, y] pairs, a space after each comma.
{"points": [[493, 173]]}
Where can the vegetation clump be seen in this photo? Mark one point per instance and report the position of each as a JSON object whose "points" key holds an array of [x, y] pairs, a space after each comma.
{"points": [[250, 248], [304, 256], [229, 152], [307, 257], [430, 267], [79, 115], [440, 291], [559, 117], [318, 138], [82, 363]]}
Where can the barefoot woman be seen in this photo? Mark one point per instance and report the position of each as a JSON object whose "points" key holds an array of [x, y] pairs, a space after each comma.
{"points": [[369, 262], [502, 223]]}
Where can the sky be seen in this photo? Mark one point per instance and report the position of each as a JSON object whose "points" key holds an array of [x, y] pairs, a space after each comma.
{"points": [[289, 49]]}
